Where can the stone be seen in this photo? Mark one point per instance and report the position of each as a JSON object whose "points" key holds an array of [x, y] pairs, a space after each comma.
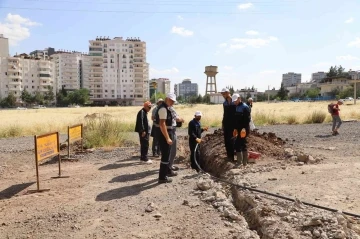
{"points": [[289, 152], [232, 215], [209, 199], [150, 207], [300, 164], [220, 196], [282, 213], [157, 215], [294, 158], [316, 233], [339, 234], [306, 233], [235, 171], [185, 202], [205, 184], [303, 158], [272, 179]]}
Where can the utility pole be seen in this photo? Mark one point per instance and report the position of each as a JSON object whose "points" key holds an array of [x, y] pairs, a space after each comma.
{"points": [[268, 94]]}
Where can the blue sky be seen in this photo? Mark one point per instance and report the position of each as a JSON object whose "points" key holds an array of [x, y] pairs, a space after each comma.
{"points": [[252, 42]]}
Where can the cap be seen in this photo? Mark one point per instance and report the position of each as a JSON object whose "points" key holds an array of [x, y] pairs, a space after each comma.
{"points": [[225, 90], [250, 99], [147, 104], [171, 96], [160, 100], [198, 113], [234, 97], [341, 101]]}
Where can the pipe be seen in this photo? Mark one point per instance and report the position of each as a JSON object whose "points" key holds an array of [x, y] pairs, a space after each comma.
{"points": [[271, 194]]}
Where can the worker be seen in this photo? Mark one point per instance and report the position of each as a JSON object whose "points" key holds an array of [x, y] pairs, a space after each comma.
{"points": [[335, 114], [176, 122], [155, 144], [227, 123], [250, 104], [194, 132], [143, 128], [241, 129], [163, 118]]}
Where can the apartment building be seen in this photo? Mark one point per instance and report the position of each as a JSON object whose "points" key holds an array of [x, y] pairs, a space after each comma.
{"points": [[162, 86], [318, 76], [44, 54], [186, 89], [118, 71], [4, 46], [69, 69], [291, 79], [24, 72]]}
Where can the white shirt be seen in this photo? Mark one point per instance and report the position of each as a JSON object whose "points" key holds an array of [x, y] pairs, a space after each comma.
{"points": [[162, 113]]}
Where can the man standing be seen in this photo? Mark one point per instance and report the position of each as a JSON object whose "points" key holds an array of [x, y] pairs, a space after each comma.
{"points": [[143, 128], [163, 118], [154, 130], [250, 104], [194, 132], [336, 117], [227, 123], [176, 122], [241, 129]]}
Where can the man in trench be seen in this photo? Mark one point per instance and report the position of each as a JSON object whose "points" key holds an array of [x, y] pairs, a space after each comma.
{"points": [[228, 123]]}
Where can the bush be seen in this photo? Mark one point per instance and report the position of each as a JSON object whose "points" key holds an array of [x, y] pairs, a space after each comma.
{"points": [[265, 119], [291, 119], [11, 131], [105, 131], [316, 117]]}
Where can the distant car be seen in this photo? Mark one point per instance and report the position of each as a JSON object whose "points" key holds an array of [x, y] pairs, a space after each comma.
{"points": [[21, 108], [348, 99], [39, 107]]}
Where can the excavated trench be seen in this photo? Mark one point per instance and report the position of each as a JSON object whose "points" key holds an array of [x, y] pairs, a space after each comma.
{"points": [[270, 217]]}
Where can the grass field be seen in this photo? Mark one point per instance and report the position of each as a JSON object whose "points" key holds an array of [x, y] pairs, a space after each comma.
{"points": [[37, 121]]}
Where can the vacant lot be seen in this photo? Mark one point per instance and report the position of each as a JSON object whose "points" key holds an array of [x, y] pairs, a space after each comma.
{"points": [[31, 121]]}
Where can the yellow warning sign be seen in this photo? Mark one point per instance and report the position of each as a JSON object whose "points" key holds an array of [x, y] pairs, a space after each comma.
{"points": [[47, 146], [75, 133]]}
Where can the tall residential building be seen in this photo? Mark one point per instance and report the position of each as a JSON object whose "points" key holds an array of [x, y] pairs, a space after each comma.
{"points": [[4, 46], [118, 71], [24, 72], [69, 69], [44, 54], [163, 86], [291, 79], [187, 89], [318, 76]]}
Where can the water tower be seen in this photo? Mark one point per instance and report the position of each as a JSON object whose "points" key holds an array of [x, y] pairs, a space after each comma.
{"points": [[211, 72]]}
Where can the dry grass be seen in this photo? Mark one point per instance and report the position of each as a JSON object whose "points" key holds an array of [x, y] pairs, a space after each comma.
{"points": [[30, 122]]}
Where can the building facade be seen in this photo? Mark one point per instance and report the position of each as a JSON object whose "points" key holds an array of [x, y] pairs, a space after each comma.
{"points": [[24, 72], [318, 76], [118, 71], [162, 86], [291, 79], [44, 54], [69, 69], [186, 89], [330, 85], [4, 46]]}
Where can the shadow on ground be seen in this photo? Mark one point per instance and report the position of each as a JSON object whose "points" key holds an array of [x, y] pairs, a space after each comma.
{"points": [[118, 165], [127, 191], [13, 190], [133, 177], [324, 136]]}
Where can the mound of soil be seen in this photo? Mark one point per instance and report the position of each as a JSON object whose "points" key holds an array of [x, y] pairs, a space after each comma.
{"points": [[213, 154]]}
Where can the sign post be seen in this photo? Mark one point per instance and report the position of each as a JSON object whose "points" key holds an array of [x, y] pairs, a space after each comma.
{"points": [[75, 133], [46, 146]]}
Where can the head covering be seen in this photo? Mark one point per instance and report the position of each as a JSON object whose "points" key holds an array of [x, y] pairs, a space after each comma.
{"points": [[225, 90], [341, 101], [250, 99], [235, 97], [160, 100], [147, 104], [171, 96], [198, 113]]}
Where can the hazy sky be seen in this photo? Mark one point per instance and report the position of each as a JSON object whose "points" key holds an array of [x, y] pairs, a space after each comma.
{"points": [[252, 42]]}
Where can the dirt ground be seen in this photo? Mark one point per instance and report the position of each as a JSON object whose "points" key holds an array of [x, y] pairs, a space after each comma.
{"points": [[108, 190]]}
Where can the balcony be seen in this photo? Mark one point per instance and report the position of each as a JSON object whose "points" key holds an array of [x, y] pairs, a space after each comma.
{"points": [[15, 83], [14, 63], [15, 76], [45, 72], [46, 83], [96, 65]]}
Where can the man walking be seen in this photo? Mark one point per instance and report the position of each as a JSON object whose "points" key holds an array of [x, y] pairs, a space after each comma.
{"points": [[336, 117], [163, 118], [176, 122], [143, 128], [227, 123], [154, 130], [194, 132], [241, 129]]}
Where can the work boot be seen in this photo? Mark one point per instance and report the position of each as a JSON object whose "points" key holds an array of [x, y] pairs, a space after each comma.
{"points": [[172, 174], [175, 168], [245, 157], [166, 180], [239, 159]]}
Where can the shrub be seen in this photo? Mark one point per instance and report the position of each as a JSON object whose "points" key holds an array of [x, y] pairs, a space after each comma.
{"points": [[291, 119], [316, 117]]}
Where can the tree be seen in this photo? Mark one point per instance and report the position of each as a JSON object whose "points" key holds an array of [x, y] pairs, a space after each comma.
{"points": [[179, 99], [158, 96], [313, 93], [348, 92], [248, 95], [26, 97], [49, 96], [336, 71], [282, 94], [9, 101], [38, 98], [199, 99], [206, 99]]}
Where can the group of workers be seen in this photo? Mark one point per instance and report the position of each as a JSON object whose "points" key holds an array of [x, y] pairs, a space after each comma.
{"points": [[236, 125]]}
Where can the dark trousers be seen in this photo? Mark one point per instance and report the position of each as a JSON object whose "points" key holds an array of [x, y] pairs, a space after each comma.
{"points": [[192, 145], [241, 143], [229, 142], [165, 149], [144, 146], [155, 145]]}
